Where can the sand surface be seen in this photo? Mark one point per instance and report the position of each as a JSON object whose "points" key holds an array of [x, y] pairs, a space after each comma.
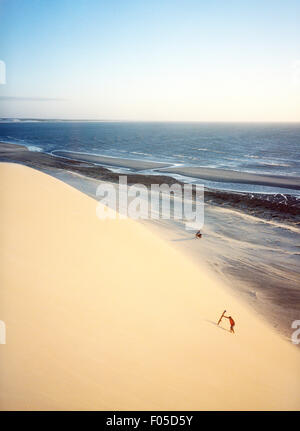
{"points": [[106, 315]]}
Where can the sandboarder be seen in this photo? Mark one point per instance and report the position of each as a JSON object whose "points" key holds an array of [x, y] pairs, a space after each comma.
{"points": [[198, 234], [232, 323]]}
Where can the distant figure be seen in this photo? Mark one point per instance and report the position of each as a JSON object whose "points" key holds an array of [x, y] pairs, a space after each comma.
{"points": [[198, 234], [232, 323]]}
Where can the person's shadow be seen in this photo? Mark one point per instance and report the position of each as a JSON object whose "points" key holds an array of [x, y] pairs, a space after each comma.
{"points": [[183, 239], [218, 326]]}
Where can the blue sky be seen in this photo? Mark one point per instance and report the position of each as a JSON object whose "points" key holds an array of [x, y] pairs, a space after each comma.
{"points": [[156, 60]]}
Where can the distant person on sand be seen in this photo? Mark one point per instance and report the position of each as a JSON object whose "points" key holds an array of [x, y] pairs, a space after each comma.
{"points": [[232, 323], [198, 234]]}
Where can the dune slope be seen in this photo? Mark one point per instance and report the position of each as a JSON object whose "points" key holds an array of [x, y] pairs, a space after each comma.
{"points": [[105, 315]]}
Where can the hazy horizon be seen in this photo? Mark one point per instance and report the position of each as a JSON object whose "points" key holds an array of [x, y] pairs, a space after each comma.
{"points": [[146, 121]]}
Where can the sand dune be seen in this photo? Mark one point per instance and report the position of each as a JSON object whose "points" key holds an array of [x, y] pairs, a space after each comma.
{"points": [[106, 315]]}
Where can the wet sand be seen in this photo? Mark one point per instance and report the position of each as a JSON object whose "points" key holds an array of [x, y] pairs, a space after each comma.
{"points": [[137, 165], [228, 176]]}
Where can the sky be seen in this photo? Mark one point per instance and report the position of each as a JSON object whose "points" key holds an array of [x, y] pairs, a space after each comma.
{"points": [[152, 60]]}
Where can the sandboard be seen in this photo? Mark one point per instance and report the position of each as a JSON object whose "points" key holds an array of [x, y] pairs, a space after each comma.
{"points": [[222, 316]]}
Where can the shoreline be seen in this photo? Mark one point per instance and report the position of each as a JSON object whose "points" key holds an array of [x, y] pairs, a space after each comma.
{"points": [[137, 165], [231, 176], [200, 172]]}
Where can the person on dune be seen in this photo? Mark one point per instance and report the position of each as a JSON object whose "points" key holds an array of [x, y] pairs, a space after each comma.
{"points": [[232, 323]]}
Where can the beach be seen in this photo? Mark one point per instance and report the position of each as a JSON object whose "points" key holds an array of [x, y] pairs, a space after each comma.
{"points": [[221, 175], [230, 176], [107, 315]]}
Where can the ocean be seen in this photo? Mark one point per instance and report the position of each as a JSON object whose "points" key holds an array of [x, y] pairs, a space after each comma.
{"points": [[272, 149]]}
